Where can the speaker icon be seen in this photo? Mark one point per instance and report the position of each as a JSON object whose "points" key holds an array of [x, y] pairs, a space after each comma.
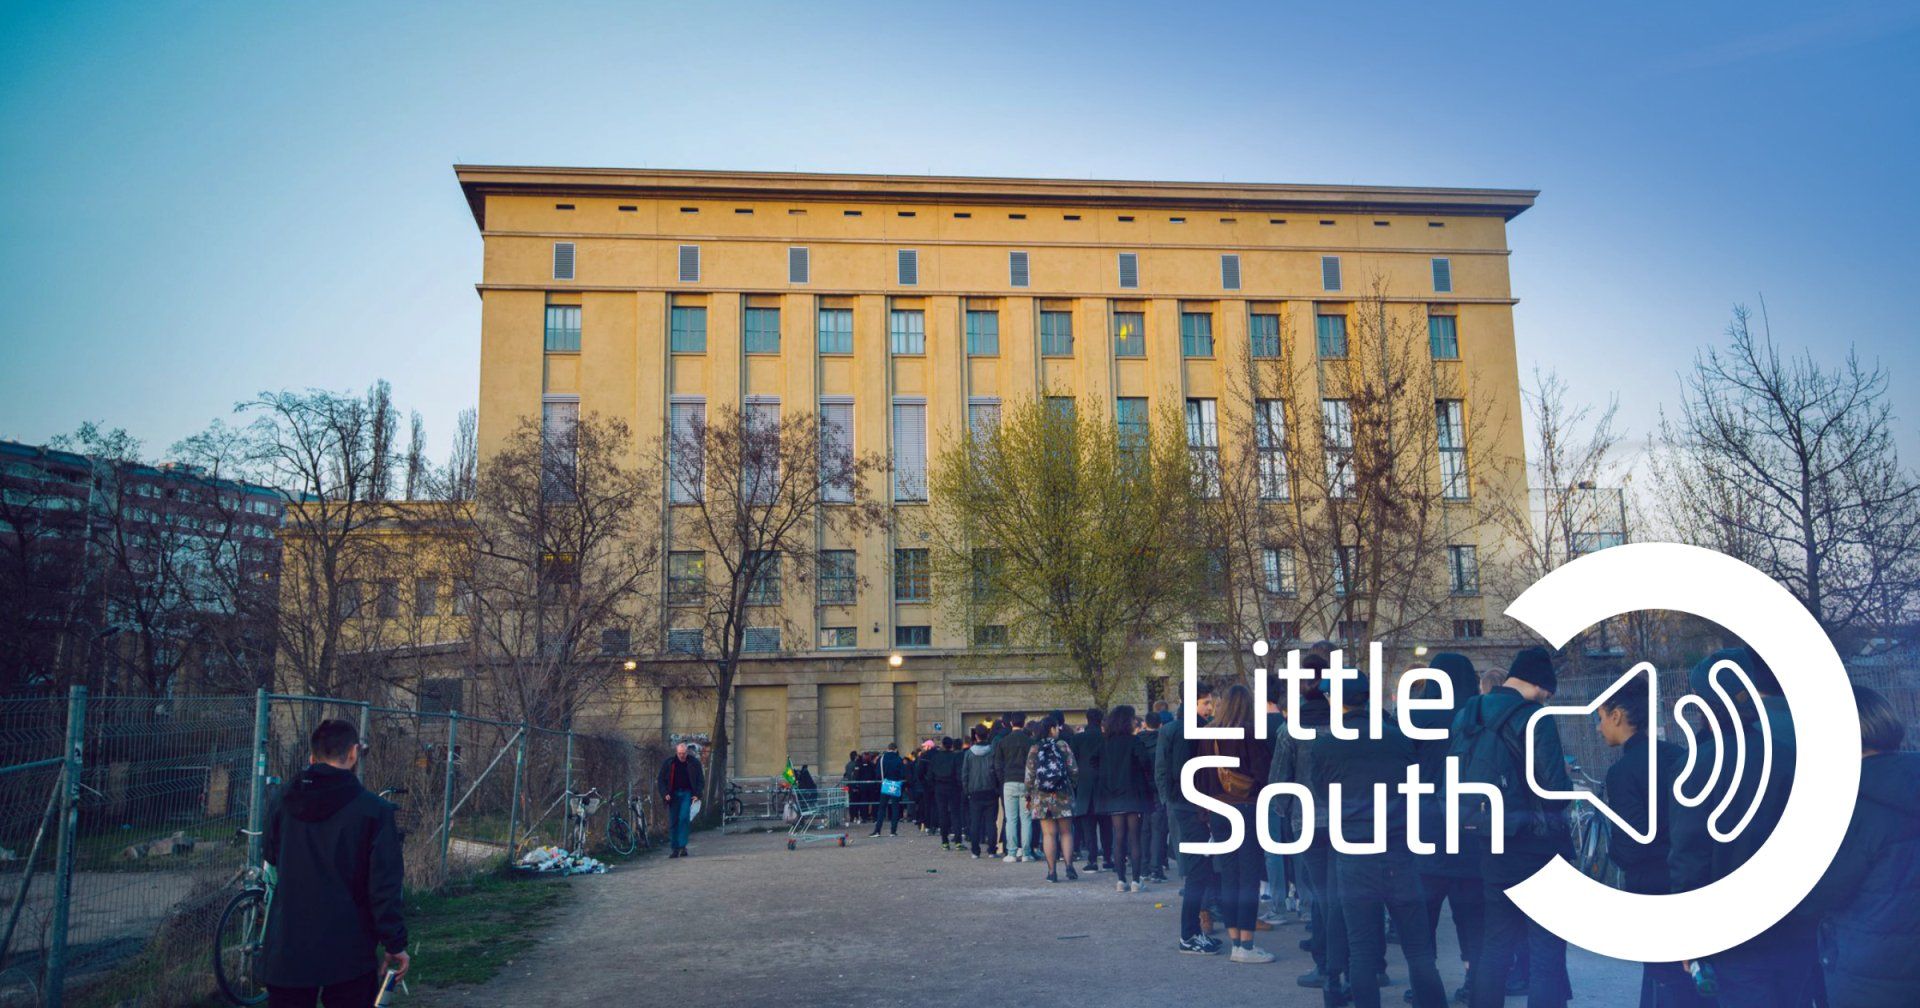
{"points": [[1719, 777]]}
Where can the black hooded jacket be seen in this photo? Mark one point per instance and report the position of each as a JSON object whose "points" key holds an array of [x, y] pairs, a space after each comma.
{"points": [[337, 852], [1464, 685], [1868, 902]]}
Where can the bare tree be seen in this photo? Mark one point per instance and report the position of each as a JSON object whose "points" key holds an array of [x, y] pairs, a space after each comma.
{"points": [[418, 472], [754, 497], [1790, 466], [1072, 535], [456, 481], [562, 562], [383, 427]]}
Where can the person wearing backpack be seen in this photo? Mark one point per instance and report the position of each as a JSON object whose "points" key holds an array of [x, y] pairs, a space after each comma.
{"points": [[1489, 738], [983, 795], [1051, 776]]}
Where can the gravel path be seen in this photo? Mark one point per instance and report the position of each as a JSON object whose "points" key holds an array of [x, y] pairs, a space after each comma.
{"points": [[897, 921]]}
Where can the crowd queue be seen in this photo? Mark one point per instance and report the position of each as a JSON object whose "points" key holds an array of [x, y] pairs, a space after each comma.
{"points": [[1105, 792]]}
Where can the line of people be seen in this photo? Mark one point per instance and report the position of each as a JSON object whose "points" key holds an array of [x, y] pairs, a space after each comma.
{"points": [[1110, 792]]}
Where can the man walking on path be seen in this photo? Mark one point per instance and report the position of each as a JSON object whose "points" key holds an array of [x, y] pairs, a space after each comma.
{"points": [[893, 788], [336, 850], [679, 780]]}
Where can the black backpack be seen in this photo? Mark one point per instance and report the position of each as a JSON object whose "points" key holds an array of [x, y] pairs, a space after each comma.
{"points": [[1493, 757], [1049, 767]]}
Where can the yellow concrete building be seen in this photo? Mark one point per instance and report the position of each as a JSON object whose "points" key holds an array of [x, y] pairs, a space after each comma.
{"points": [[921, 304]]}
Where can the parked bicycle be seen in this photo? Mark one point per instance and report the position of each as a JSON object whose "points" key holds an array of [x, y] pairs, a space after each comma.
{"points": [[1589, 827], [241, 933], [581, 807], [627, 824]]}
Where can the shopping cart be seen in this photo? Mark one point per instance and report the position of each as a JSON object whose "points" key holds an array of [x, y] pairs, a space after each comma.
{"points": [[814, 811]]}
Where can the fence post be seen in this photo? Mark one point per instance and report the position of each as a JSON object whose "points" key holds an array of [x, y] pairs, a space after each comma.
{"points": [[69, 828], [257, 789], [446, 801], [513, 806], [569, 768], [366, 706]]}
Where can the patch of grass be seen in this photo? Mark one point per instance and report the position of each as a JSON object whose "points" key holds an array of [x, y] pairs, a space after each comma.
{"points": [[467, 932]]}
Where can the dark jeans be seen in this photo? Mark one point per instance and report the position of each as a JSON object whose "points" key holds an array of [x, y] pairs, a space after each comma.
{"points": [[1198, 882], [355, 993], [679, 819], [1241, 871], [1153, 840], [981, 805], [1775, 970], [1507, 929], [1326, 923], [1374, 887], [953, 812], [1093, 838], [889, 813], [1468, 901]]}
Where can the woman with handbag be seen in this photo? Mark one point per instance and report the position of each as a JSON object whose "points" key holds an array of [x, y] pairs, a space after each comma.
{"points": [[1051, 776], [1242, 869]]}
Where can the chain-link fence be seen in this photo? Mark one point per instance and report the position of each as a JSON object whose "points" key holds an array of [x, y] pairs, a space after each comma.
{"points": [[127, 823]]}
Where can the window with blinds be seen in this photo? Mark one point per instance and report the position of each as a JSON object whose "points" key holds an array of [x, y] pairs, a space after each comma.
{"points": [[836, 451], [760, 640], [1129, 269], [910, 451], [685, 641], [983, 418], [1017, 275], [1129, 334], [909, 265], [559, 451], [689, 264], [1230, 272], [563, 260], [686, 450], [1330, 273], [1443, 276], [799, 265], [563, 328]]}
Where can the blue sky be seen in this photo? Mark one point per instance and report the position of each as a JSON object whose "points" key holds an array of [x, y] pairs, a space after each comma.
{"points": [[203, 201]]}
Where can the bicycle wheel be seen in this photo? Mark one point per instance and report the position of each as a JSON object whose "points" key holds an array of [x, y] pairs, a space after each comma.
{"points": [[236, 948], [619, 835], [734, 808]]}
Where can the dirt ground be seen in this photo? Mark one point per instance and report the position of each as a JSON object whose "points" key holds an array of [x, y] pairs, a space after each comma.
{"points": [[897, 921]]}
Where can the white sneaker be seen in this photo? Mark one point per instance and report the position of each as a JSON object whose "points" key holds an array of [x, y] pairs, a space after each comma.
{"points": [[1250, 954], [1139, 886], [1120, 886], [1009, 859]]}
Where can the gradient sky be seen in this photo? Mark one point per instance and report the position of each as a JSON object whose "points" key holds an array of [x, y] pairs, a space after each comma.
{"points": [[202, 201]]}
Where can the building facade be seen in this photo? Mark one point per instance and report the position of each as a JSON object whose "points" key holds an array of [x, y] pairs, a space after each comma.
{"points": [[907, 308]]}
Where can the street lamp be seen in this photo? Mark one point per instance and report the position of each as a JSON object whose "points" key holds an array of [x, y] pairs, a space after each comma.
{"points": [[630, 665], [1420, 651], [894, 660], [1159, 654]]}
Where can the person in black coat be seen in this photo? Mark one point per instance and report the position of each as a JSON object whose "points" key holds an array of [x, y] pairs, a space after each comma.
{"points": [[1868, 902], [1122, 770], [947, 793], [1643, 866], [1092, 834], [336, 850], [679, 782]]}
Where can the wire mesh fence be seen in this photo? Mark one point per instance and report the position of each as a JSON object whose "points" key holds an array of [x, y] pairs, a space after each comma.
{"points": [[127, 823]]}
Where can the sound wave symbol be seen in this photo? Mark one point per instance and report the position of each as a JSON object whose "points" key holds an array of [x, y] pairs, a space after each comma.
{"points": [[1707, 786]]}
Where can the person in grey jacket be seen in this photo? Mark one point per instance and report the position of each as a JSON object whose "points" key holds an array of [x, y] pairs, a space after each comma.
{"points": [[982, 791]]}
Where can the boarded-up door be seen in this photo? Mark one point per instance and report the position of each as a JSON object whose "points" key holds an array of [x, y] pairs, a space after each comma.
{"points": [[906, 715], [839, 725], [762, 730]]}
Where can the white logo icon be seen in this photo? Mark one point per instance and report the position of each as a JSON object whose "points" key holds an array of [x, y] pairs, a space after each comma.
{"points": [[1826, 779]]}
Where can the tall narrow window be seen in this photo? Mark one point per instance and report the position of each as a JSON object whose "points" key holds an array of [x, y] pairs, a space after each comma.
{"points": [[983, 333], [1230, 272], [910, 450], [1443, 276], [1203, 441], [1451, 430], [1017, 273], [689, 264], [760, 329], [1129, 269], [760, 478], [563, 260], [836, 330], [907, 331], [1130, 419], [1056, 334], [1196, 334], [909, 268], [1463, 570], [688, 330], [1280, 572], [1443, 337], [1263, 330], [1129, 334], [563, 328], [1336, 433], [836, 451], [983, 418], [559, 451], [686, 450], [799, 265], [1270, 437], [838, 581], [1330, 273], [764, 589], [1330, 333], [911, 580]]}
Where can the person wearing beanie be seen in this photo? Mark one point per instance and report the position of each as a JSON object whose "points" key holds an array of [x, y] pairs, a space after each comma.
{"points": [[1491, 732]]}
